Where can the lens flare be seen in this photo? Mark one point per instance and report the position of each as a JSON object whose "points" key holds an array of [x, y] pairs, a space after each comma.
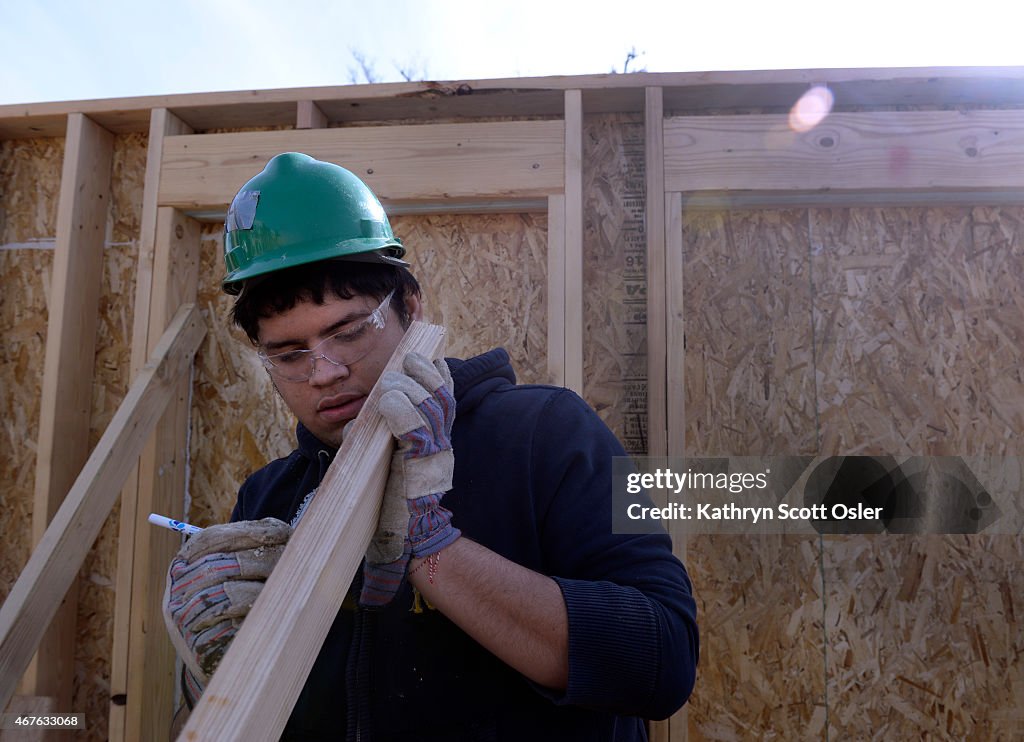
{"points": [[811, 109]]}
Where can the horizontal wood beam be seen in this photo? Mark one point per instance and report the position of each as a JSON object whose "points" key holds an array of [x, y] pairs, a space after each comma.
{"points": [[39, 589], [485, 161], [689, 91], [252, 693], [920, 150]]}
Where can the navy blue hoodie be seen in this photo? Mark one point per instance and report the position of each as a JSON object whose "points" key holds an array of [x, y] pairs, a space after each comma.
{"points": [[532, 483]]}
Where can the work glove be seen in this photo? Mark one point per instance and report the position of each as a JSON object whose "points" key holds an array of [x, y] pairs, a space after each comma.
{"points": [[212, 583], [419, 408]]}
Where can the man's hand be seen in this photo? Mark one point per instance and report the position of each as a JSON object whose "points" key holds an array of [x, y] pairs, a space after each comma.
{"points": [[419, 408], [212, 583]]}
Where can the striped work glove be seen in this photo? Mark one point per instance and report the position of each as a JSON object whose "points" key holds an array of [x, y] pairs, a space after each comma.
{"points": [[212, 583], [419, 408]]}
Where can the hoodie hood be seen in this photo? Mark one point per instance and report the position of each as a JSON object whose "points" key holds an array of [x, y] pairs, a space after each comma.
{"points": [[476, 377]]}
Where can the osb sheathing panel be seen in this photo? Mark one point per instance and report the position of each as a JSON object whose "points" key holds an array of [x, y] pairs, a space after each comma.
{"points": [[749, 356], [762, 661], [110, 383], [925, 637], [750, 391], [916, 316], [614, 334], [30, 172], [483, 277], [919, 325]]}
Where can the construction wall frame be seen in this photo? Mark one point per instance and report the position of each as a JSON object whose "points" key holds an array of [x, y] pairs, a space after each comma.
{"points": [[715, 145]]}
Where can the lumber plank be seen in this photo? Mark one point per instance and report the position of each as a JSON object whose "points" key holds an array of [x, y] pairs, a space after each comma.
{"points": [[574, 240], [54, 563], [309, 116], [678, 724], [162, 480], [685, 91], [457, 161], [922, 150], [162, 124], [252, 693], [556, 290], [66, 402], [657, 279], [676, 327]]}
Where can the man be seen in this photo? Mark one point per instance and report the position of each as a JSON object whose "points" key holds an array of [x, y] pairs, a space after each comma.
{"points": [[495, 602]]}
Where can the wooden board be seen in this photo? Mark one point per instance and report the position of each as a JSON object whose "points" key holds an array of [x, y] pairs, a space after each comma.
{"points": [[556, 266], [927, 150], [603, 93], [457, 161], [573, 319], [63, 442], [309, 116], [252, 693], [53, 565], [657, 276], [162, 485], [162, 123]]}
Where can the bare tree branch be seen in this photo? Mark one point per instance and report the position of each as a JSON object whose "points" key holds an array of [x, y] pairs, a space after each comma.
{"points": [[363, 68]]}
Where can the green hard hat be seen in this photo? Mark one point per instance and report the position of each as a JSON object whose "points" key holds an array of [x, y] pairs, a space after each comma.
{"points": [[300, 210]]}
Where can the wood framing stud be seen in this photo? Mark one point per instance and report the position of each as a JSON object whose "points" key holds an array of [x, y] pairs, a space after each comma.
{"points": [[309, 116], [676, 328], [657, 279], [162, 472], [556, 290], [574, 240], [252, 693], [162, 124], [66, 404]]}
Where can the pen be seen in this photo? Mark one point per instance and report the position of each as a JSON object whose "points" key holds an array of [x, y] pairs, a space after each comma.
{"points": [[175, 525]]}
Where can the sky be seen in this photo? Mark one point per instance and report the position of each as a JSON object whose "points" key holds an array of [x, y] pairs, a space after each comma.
{"points": [[52, 50]]}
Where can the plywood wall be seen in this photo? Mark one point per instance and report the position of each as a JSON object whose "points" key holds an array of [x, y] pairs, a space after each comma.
{"points": [[808, 331], [856, 331], [30, 172], [29, 183]]}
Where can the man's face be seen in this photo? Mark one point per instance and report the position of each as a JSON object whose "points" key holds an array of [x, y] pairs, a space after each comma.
{"points": [[333, 395]]}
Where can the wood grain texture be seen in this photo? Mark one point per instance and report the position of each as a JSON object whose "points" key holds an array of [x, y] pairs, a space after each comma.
{"points": [[252, 693], [556, 290], [456, 161], [922, 150], [162, 480], [604, 93], [66, 406], [573, 319], [162, 123], [309, 116], [657, 276], [52, 567]]}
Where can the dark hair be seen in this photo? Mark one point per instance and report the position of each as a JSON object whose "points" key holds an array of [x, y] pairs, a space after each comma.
{"points": [[281, 290]]}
